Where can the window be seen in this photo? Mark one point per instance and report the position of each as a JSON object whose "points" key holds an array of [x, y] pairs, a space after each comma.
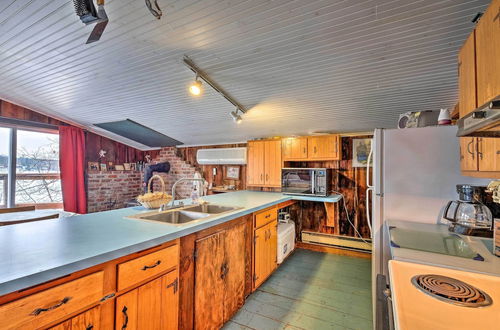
{"points": [[37, 169]]}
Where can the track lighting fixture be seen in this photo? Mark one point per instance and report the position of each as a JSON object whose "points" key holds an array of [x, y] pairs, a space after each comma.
{"points": [[236, 118], [195, 87]]}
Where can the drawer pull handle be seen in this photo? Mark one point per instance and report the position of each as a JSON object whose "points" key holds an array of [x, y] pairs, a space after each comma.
{"points": [[38, 311], [174, 284], [89, 327], [267, 216], [125, 315], [152, 266]]}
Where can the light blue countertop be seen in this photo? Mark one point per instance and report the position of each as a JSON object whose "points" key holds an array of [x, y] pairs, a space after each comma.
{"points": [[454, 252], [36, 252]]}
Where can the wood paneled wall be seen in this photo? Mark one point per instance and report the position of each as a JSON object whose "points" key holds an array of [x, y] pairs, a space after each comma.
{"points": [[189, 155], [348, 180], [11, 110]]}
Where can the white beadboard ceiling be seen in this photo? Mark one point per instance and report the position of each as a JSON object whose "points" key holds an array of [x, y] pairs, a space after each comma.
{"points": [[299, 66]]}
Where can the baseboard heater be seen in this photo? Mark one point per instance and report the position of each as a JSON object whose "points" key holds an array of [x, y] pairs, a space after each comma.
{"points": [[341, 242]]}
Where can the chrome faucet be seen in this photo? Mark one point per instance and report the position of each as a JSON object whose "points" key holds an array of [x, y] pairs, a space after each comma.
{"points": [[166, 206]]}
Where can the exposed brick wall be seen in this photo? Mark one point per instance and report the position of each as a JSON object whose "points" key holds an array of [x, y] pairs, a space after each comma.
{"points": [[111, 190], [178, 169]]}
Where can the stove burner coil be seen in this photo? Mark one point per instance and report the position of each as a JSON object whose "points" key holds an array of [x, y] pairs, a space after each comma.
{"points": [[451, 290]]}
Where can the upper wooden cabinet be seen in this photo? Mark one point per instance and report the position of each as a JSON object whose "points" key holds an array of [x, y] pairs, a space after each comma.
{"points": [[488, 150], [294, 148], [467, 76], [468, 154], [488, 54], [323, 147], [264, 163]]}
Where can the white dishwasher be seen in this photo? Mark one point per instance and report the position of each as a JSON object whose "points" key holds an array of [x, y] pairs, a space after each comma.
{"points": [[286, 239]]}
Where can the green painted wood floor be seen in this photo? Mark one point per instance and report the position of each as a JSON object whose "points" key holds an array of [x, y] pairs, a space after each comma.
{"points": [[311, 290]]}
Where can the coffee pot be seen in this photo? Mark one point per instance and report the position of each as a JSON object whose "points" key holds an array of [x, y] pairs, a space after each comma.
{"points": [[469, 215]]}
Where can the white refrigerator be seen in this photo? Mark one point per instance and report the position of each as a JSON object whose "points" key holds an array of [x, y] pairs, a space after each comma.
{"points": [[415, 172]]}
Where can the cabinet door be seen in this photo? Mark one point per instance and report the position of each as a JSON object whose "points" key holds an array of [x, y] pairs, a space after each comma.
{"points": [[488, 54], [265, 252], [261, 256], [234, 270], [209, 282], [126, 311], [89, 320], [255, 163], [272, 163], [325, 147], [489, 154], [170, 301], [468, 154], [294, 148], [152, 306], [467, 76]]}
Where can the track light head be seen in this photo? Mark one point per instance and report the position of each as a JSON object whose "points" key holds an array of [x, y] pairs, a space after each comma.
{"points": [[195, 87], [236, 118]]}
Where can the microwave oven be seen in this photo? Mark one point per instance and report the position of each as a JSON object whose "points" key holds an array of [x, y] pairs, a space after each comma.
{"points": [[306, 181]]}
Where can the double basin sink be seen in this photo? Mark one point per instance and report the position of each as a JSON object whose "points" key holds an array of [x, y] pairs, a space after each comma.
{"points": [[186, 214]]}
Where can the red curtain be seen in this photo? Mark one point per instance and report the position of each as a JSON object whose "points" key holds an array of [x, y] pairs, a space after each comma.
{"points": [[72, 166]]}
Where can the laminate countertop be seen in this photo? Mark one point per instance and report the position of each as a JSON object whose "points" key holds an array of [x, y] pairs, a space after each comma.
{"points": [[36, 252]]}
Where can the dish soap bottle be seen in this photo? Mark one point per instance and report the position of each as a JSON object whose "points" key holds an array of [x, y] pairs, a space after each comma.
{"points": [[194, 195]]}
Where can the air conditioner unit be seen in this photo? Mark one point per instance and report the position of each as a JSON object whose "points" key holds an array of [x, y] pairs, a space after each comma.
{"points": [[220, 156]]}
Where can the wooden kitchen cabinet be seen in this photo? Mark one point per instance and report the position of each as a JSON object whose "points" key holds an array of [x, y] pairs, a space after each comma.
{"points": [[488, 54], [89, 320], [488, 150], [264, 163], [265, 246], [467, 76], [323, 147], [294, 148], [468, 154], [255, 163], [219, 277], [153, 305]]}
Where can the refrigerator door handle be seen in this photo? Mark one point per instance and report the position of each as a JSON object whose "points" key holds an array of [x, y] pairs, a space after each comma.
{"points": [[368, 165], [368, 209]]}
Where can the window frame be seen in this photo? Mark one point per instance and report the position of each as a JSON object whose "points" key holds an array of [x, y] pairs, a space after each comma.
{"points": [[12, 176]]}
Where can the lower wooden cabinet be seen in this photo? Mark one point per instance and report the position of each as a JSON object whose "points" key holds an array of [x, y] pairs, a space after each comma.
{"points": [[265, 252], [219, 277], [153, 305], [89, 320]]}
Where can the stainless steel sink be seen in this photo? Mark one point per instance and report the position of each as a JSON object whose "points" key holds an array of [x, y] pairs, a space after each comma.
{"points": [[174, 217], [186, 214], [210, 208]]}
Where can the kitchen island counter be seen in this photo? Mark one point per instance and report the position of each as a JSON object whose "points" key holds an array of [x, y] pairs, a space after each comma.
{"points": [[37, 252]]}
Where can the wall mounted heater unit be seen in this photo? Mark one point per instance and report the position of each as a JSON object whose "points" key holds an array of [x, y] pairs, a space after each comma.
{"points": [[343, 242], [222, 156]]}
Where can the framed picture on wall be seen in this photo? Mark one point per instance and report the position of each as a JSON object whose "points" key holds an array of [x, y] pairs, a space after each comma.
{"points": [[360, 151], [93, 166], [232, 173], [133, 166], [103, 167], [126, 166], [119, 168]]}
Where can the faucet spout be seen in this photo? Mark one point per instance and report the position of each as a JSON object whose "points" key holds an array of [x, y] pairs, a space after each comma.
{"points": [[174, 186]]}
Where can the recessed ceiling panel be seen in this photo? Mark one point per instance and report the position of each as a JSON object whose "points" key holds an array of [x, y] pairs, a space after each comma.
{"points": [[139, 133]]}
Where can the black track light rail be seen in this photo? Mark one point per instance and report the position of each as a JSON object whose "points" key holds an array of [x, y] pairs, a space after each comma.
{"points": [[203, 76]]}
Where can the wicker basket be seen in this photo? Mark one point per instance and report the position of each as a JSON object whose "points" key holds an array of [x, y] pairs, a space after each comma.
{"points": [[156, 203]]}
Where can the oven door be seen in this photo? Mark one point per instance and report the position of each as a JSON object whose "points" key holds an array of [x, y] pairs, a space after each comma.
{"points": [[297, 181]]}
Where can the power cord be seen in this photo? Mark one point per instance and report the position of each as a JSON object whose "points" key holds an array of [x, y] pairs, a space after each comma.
{"points": [[348, 218]]}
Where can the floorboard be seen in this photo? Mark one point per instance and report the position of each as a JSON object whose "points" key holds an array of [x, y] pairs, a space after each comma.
{"points": [[311, 290]]}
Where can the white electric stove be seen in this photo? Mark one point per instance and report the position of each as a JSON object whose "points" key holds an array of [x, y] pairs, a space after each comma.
{"points": [[429, 297]]}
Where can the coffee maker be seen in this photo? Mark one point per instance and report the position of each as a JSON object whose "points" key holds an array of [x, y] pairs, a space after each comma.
{"points": [[472, 214]]}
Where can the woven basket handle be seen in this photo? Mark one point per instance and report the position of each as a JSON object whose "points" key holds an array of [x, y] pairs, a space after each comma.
{"points": [[156, 176]]}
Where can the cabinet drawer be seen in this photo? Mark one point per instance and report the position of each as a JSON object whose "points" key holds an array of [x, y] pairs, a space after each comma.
{"points": [[47, 306], [142, 268], [265, 217]]}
